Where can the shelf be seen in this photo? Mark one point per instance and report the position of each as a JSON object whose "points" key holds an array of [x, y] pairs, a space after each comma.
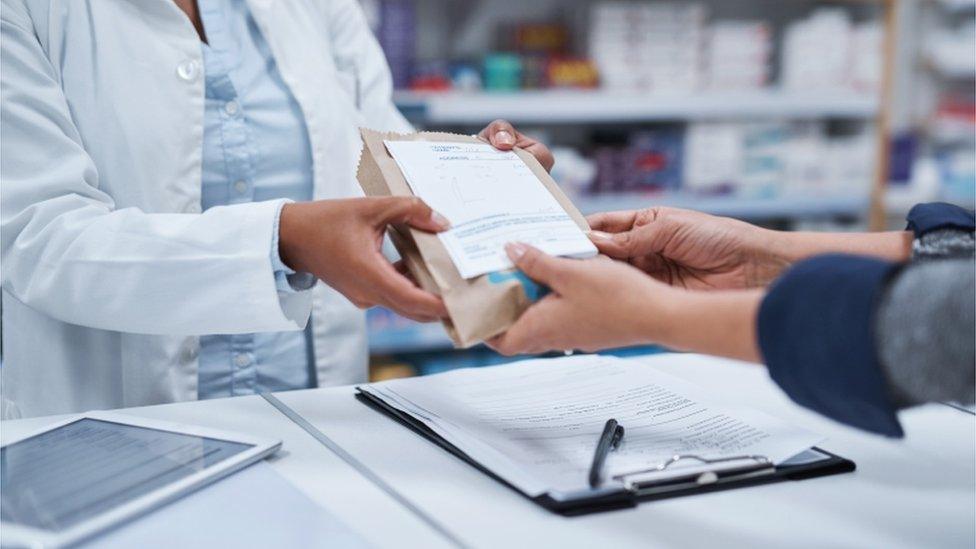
{"points": [[417, 338], [584, 106], [953, 66], [957, 6], [797, 207], [899, 199]]}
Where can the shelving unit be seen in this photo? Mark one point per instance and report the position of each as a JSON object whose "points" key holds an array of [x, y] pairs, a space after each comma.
{"points": [[595, 107], [756, 209], [936, 63], [565, 113], [585, 107]]}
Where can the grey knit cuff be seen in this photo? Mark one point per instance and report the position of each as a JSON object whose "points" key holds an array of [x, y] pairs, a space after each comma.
{"points": [[924, 333], [943, 244]]}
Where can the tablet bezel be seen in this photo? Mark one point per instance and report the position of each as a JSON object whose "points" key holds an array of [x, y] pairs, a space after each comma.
{"points": [[20, 535]]}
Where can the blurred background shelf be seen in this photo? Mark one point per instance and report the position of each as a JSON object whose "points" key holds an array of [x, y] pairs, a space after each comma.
{"points": [[758, 209], [799, 114], [421, 338], [594, 106]]}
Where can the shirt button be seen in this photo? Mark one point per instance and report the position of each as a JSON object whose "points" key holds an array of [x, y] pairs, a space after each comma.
{"points": [[190, 352], [231, 108], [240, 186], [188, 70], [241, 360]]}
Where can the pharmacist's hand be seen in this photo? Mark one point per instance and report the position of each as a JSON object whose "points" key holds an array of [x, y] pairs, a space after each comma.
{"points": [[595, 304], [504, 136], [690, 249], [339, 241]]}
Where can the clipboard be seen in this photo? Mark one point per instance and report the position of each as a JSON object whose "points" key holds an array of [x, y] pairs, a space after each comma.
{"points": [[728, 473]]}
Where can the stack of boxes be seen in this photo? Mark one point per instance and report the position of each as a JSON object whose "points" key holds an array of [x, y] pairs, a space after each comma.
{"points": [[738, 55], [828, 52], [867, 45], [816, 52], [770, 159], [651, 161], [648, 46]]}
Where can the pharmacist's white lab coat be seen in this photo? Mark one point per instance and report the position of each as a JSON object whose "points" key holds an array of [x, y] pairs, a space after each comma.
{"points": [[109, 268]]}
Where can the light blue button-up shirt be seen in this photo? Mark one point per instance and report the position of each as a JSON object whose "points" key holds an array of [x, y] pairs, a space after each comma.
{"points": [[255, 148]]}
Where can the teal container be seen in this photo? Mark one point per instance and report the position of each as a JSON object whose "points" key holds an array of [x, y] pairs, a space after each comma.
{"points": [[503, 72]]}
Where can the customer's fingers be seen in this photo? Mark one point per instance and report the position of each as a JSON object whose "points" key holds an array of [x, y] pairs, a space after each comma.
{"points": [[646, 239], [501, 134], [612, 222], [410, 210]]}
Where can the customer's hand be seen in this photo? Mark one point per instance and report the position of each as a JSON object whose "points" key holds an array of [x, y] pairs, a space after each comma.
{"points": [[599, 304], [691, 249], [595, 304], [504, 136], [339, 241]]}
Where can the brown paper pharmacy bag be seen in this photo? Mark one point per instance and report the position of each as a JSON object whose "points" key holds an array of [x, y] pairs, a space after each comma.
{"points": [[481, 307]]}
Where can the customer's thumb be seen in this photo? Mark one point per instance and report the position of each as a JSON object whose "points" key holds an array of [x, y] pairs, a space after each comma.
{"points": [[537, 265], [616, 245]]}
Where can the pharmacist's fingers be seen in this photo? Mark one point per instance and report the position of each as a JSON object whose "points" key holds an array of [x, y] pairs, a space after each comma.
{"points": [[501, 134], [538, 150], [532, 332], [612, 222], [540, 267], [400, 294], [410, 210], [401, 267]]}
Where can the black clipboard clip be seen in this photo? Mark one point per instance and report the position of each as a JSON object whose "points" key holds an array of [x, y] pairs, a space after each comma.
{"points": [[728, 469]]}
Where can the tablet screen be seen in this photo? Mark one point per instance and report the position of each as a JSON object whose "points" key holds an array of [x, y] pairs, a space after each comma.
{"points": [[59, 478]]}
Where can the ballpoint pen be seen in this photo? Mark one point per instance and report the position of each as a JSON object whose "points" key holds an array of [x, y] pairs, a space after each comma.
{"points": [[610, 439]]}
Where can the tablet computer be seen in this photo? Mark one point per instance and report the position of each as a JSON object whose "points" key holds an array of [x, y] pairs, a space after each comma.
{"points": [[78, 477]]}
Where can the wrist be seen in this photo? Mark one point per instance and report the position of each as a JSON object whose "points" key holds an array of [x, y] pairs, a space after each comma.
{"points": [[797, 246], [716, 323], [289, 236], [657, 307], [772, 253]]}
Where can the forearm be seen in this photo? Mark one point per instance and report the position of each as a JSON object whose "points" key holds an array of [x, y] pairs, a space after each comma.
{"points": [[795, 246], [83, 265], [714, 323]]}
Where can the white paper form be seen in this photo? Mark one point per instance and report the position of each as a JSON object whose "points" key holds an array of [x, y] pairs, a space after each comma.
{"points": [[536, 423], [490, 197]]}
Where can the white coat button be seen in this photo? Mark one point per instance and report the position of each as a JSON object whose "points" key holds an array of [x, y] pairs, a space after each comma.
{"points": [[193, 209], [231, 108], [190, 352], [240, 186], [188, 70], [241, 360]]}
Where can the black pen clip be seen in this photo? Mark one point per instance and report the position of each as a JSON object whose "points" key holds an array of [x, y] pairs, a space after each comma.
{"points": [[613, 434], [618, 437]]}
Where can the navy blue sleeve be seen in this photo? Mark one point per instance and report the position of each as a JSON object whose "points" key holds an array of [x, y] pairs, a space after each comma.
{"points": [[816, 337], [924, 218]]}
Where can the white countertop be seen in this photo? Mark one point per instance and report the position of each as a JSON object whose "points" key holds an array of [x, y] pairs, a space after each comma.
{"points": [[919, 491]]}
